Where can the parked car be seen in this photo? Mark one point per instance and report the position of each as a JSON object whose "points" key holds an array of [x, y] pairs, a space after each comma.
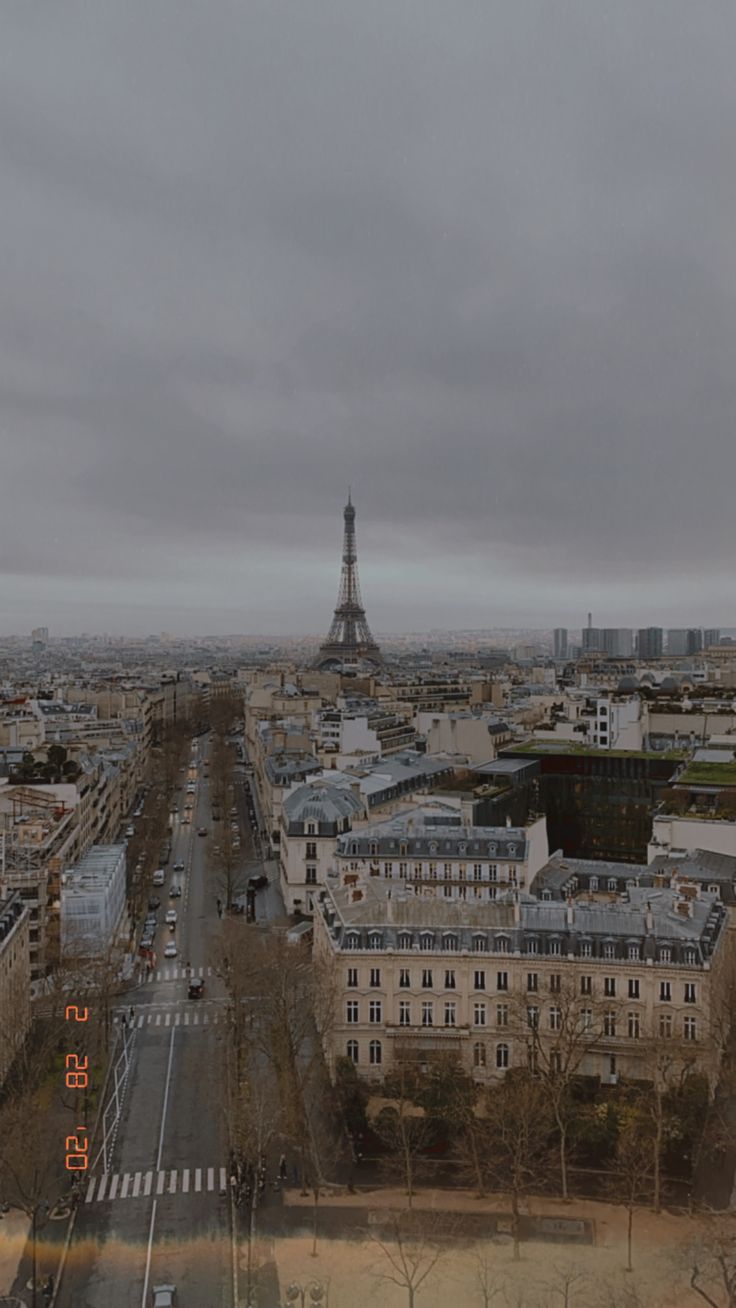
{"points": [[258, 883], [196, 987], [202, 831], [154, 902], [159, 877], [164, 1296], [130, 830], [170, 950]]}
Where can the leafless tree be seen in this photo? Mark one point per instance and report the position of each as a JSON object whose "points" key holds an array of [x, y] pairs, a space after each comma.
{"points": [[567, 1287], [558, 1044], [711, 1263], [633, 1170], [411, 1245], [490, 1282], [520, 1123], [32, 1141], [403, 1127]]}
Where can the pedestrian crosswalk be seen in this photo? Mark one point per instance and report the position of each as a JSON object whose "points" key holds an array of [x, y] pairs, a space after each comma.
{"points": [[177, 973], [200, 1016], [111, 1186]]}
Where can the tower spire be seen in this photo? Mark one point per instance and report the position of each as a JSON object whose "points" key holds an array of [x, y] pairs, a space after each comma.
{"points": [[349, 637]]}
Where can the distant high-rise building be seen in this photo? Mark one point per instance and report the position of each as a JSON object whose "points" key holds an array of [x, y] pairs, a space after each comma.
{"points": [[712, 636], [677, 641], [617, 642], [560, 642], [591, 638], [694, 640], [650, 643]]}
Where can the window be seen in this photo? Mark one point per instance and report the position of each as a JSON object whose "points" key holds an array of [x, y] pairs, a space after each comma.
{"points": [[404, 940], [502, 980], [352, 977], [609, 987], [634, 1031], [479, 1014], [665, 954], [374, 1010], [404, 1012], [375, 976], [555, 1063], [586, 949], [502, 944], [690, 992], [479, 980], [427, 978], [586, 1019], [480, 944], [586, 985], [502, 1056], [402, 869], [634, 953], [690, 1028], [690, 957], [479, 1054], [311, 849], [351, 1009], [553, 947], [450, 980], [375, 1055], [532, 981], [665, 991], [609, 950], [633, 988], [532, 1016], [426, 941], [555, 983], [715, 890], [311, 874], [502, 1014], [427, 1013], [404, 978], [450, 944], [388, 869], [375, 940], [532, 947], [450, 1011], [593, 883], [609, 1024], [352, 942], [555, 1019], [477, 872], [352, 1050], [665, 1025]]}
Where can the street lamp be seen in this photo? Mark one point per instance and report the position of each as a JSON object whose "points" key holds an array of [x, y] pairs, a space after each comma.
{"points": [[317, 1294]]}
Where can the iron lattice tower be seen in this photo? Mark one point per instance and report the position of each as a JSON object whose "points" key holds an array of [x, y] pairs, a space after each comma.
{"points": [[349, 638]]}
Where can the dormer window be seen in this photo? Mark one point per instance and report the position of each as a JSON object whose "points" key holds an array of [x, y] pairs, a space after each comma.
{"points": [[593, 883], [502, 944], [492, 847], [462, 847], [354, 847], [480, 945], [375, 940], [374, 848], [404, 940], [634, 953], [450, 944], [433, 847], [426, 940], [352, 940], [403, 847], [512, 851], [612, 884]]}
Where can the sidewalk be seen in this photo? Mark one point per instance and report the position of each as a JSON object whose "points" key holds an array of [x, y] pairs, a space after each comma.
{"points": [[14, 1228]]}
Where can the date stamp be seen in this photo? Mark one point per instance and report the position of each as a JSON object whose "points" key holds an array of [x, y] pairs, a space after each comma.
{"points": [[76, 1077]]}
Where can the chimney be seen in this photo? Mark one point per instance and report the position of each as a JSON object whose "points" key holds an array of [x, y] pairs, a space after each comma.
{"points": [[357, 895], [389, 907], [508, 821], [517, 911], [570, 912], [649, 920]]}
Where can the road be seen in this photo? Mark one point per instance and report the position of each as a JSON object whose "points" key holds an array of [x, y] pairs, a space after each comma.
{"points": [[162, 1211]]}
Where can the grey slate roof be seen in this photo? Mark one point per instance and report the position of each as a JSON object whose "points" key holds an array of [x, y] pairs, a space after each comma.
{"points": [[426, 834], [321, 803]]}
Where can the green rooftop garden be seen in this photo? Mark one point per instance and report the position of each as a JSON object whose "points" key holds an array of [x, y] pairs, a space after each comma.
{"points": [[708, 774], [571, 747]]}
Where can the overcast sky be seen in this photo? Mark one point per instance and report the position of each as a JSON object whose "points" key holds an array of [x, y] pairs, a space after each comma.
{"points": [[476, 259]]}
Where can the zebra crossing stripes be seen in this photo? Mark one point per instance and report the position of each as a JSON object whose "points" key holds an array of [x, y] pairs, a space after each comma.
{"points": [[176, 1019], [177, 973], [118, 1186]]}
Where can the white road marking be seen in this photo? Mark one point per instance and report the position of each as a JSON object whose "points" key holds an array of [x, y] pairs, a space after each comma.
{"points": [[210, 1178], [185, 1181], [137, 1184], [90, 1189], [125, 1185], [148, 1184], [103, 1185], [160, 1183], [223, 1180], [198, 1179], [172, 1182]]}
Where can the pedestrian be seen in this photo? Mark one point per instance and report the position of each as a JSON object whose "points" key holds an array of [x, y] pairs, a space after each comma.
{"points": [[282, 1167], [132, 1013], [124, 1022]]}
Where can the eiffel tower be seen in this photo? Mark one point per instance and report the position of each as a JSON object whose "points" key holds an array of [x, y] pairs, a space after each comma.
{"points": [[349, 637]]}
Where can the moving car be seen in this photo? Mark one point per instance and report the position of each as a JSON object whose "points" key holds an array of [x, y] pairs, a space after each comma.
{"points": [[202, 831], [164, 1296], [170, 950], [178, 867], [154, 903], [257, 883], [171, 915], [159, 877], [175, 892], [196, 987]]}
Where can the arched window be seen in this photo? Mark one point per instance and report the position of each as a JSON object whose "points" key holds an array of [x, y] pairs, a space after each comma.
{"points": [[375, 1054], [502, 1056], [354, 847], [374, 848], [352, 1050], [479, 1054]]}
